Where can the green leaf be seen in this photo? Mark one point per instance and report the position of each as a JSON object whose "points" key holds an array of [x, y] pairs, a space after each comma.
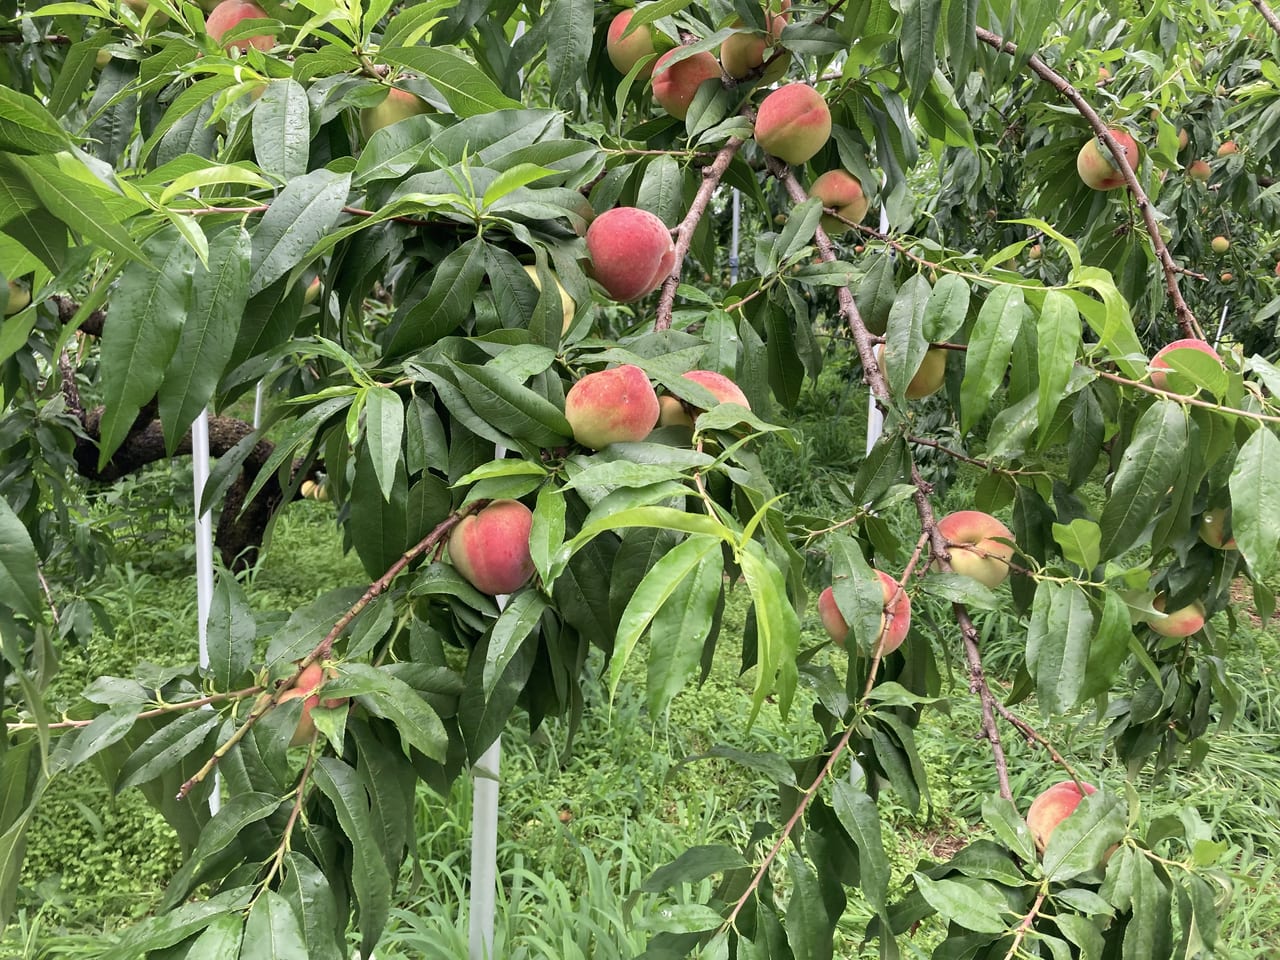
{"points": [[307, 889], [961, 20], [220, 939], [166, 747], [1148, 468], [282, 130], [1057, 342], [378, 522], [916, 44], [511, 407], [1079, 842], [208, 336], [679, 629], [1058, 638], [809, 929], [905, 345], [990, 344], [960, 904], [777, 630], [947, 308], [465, 87], [309, 624], [449, 300], [26, 127], [231, 634], [143, 332], [166, 929], [369, 875], [659, 585], [1079, 541], [389, 696], [1005, 822], [222, 829], [1083, 932], [297, 219], [1255, 501], [693, 865], [384, 431], [88, 208], [512, 628], [19, 581], [861, 820], [680, 918], [272, 931]]}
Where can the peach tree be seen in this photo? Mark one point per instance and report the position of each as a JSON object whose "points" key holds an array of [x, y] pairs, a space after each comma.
{"points": [[453, 243]]}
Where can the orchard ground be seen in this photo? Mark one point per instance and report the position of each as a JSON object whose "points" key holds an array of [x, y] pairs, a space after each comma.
{"points": [[584, 820]]}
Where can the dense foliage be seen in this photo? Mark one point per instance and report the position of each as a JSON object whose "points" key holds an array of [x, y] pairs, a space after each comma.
{"points": [[185, 219]]}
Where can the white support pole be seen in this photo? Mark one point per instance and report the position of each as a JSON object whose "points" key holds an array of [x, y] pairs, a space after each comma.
{"points": [[484, 845], [257, 406], [1222, 322], [204, 555], [733, 237]]}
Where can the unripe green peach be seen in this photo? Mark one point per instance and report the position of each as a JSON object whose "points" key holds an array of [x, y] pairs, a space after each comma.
{"points": [[567, 307], [631, 252], [491, 548], [19, 298], [975, 552], [793, 123], [1220, 244], [1053, 806], [397, 105], [929, 376], [624, 52], [228, 14], [842, 192], [676, 84], [613, 406]]}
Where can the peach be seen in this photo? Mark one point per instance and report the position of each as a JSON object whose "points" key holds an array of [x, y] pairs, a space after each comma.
{"points": [[396, 105], [312, 293], [1096, 166], [1035, 252], [1184, 138], [1213, 529], [1182, 622], [1053, 806], [676, 84], [842, 192], [308, 680], [671, 412], [1159, 364], [793, 123], [1227, 148], [974, 552], [929, 376], [19, 297], [741, 53], [1199, 170], [491, 548], [567, 307], [631, 252], [1220, 244], [228, 14], [612, 406], [625, 52], [894, 622]]}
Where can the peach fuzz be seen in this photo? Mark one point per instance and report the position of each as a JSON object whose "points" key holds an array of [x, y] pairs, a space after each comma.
{"points": [[612, 406], [842, 192], [894, 630], [974, 553], [228, 14], [1182, 622], [1159, 364], [625, 52], [929, 376], [1095, 165], [793, 123], [491, 548], [631, 252], [397, 105], [1053, 806], [676, 84]]}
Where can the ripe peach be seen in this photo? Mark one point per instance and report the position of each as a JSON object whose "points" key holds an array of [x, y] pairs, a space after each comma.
{"points": [[228, 14], [1182, 622], [397, 105], [1226, 277], [567, 307], [894, 622], [1158, 363], [1095, 164], [312, 293], [1199, 170], [19, 297], [742, 53], [624, 52], [1053, 806], [720, 386], [843, 192], [1220, 244], [308, 680], [1213, 529], [1183, 139], [1035, 252], [974, 553], [631, 252], [1227, 148], [929, 375], [491, 548], [612, 406], [675, 84], [671, 412], [793, 123]]}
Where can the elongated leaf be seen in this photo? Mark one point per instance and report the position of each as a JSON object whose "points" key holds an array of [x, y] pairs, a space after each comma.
{"points": [[1148, 468], [694, 864], [166, 747], [26, 127], [90, 210], [1057, 342], [308, 892], [809, 928], [861, 820], [448, 301], [1079, 541], [384, 431], [140, 337], [947, 308], [220, 940], [272, 931], [231, 633], [678, 631], [389, 696], [209, 332], [960, 904], [282, 129], [905, 344], [19, 583], [1003, 819], [511, 630], [1255, 501], [987, 358], [465, 86], [1058, 639], [166, 929], [1079, 842], [297, 219], [777, 630]]}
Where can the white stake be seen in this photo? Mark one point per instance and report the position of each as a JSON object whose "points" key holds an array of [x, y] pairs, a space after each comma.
{"points": [[204, 556], [484, 845]]}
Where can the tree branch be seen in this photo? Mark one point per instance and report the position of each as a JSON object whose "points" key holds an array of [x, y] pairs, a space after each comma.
{"points": [[1268, 15]]}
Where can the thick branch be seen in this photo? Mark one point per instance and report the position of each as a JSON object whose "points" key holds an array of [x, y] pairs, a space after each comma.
{"points": [[1186, 319], [711, 176], [1268, 15]]}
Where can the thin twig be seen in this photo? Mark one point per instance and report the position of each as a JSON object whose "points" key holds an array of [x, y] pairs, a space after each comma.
{"points": [[1186, 319], [1026, 924], [1268, 15], [711, 176], [159, 711]]}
